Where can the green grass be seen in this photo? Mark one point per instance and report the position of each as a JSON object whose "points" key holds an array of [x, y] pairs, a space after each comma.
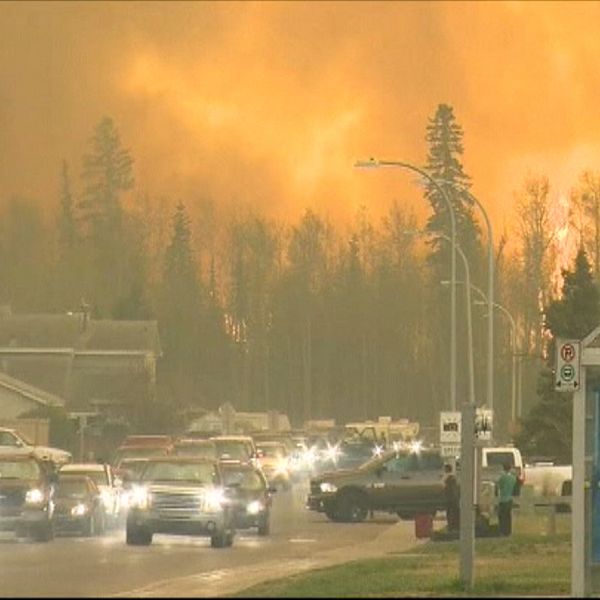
{"points": [[529, 562]]}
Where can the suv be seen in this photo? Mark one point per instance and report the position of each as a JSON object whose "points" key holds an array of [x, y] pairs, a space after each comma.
{"points": [[181, 496], [399, 481], [27, 495], [236, 447]]}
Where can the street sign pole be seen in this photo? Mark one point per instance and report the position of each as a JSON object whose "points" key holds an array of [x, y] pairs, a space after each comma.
{"points": [[467, 499], [578, 529]]}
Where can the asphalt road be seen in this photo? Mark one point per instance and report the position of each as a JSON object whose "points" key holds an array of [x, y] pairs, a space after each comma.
{"points": [[106, 566]]}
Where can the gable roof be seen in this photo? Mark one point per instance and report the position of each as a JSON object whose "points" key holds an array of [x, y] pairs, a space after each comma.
{"points": [[67, 331], [29, 391]]}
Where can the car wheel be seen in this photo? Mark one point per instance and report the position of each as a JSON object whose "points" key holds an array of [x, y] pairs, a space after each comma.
{"points": [[135, 536], [44, 533], [405, 516], [332, 514], [265, 527], [352, 507], [219, 540]]}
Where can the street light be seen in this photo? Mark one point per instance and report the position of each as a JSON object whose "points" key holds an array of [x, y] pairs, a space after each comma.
{"points": [[467, 475], [513, 338], [374, 164]]}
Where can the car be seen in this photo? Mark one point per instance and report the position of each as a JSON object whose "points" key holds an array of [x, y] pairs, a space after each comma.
{"points": [[79, 506], [11, 439], [195, 447], [108, 484], [27, 495], [406, 482], [180, 496], [252, 499], [236, 447], [274, 462]]}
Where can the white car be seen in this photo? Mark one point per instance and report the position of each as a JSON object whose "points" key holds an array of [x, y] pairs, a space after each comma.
{"points": [[108, 484], [11, 439]]}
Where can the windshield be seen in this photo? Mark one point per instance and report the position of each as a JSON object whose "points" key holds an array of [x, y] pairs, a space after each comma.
{"points": [[68, 488], [139, 453], [203, 473], [203, 450], [246, 478], [19, 469], [98, 477], [230, 449]]}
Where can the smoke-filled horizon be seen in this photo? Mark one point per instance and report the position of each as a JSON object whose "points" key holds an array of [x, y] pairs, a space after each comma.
{"points": [[270, 104]]}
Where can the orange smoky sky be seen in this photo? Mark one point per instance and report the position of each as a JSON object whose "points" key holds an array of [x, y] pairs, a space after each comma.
{"points": [[269, 104]]}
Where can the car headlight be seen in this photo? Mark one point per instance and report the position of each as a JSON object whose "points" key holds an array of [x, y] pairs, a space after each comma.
{"points": [[34, 496], [281, 467], [107, 499], [332, 453], [328, 488], [214, 498], [254, 507], [79, 510], [139, 498]]}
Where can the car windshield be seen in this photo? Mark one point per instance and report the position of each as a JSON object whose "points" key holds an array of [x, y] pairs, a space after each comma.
{"points": [[246, 478], [98, 477], [204, 450], [7, 438], [139, 452], [231, 449], [19, 469], [133, 466], [195, 472], [68, 488]]}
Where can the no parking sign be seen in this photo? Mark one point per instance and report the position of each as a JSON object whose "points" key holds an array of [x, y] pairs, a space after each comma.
{"points": [[567, 365]]}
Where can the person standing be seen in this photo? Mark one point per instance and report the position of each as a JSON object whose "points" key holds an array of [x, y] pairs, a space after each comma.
{"points": [[451, 493], [506, 489]]}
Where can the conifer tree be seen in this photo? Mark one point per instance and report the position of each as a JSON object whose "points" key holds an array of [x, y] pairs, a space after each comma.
{"points": [[547, 428]]}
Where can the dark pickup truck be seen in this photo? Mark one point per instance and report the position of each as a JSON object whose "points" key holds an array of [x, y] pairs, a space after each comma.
{"points": [[401, 482], [27, 495]]}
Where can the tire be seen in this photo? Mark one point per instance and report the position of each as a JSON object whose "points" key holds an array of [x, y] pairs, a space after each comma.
{"points": [[90, 527], [135, 536], [265, 527], [405, 516], [44, 533], [352, 507], [220, 539]]}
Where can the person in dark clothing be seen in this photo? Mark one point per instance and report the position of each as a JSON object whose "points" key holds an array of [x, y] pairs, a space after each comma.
{"points": [[506, 489], [451, 493]]}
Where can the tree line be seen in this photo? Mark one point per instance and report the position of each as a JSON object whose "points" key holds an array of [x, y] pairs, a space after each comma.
{"points": [[313, 318]]}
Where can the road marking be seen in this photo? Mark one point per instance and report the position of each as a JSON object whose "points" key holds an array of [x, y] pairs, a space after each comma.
{"points": [[301, 540]]}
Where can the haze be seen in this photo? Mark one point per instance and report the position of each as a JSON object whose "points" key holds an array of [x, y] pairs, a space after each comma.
{"points": [[270, 104]]}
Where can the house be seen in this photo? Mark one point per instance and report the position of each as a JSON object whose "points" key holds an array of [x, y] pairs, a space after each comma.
{"points": [[104, 365]]}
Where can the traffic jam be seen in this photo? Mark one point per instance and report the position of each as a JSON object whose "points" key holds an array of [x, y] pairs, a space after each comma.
{"points": [[213, 486]]}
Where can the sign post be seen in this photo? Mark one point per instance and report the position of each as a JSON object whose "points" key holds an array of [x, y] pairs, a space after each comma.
{"points": [[450, 428], [568, 367], [569, 377]]}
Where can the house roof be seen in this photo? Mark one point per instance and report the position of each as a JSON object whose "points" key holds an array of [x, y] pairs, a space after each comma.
{"points": [[67, 331], [29, 391]]}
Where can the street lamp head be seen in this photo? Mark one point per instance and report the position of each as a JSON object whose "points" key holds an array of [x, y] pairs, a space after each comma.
{"points": [[372, 163]]}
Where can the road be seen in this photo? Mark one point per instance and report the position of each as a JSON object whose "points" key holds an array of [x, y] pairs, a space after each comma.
{"points": [[184, 566]]}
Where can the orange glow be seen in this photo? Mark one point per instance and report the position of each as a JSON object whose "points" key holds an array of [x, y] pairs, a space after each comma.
{"points": [[269, 104]]}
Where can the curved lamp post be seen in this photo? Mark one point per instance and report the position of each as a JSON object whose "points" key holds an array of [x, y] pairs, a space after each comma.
{"points": [[374, 164]]}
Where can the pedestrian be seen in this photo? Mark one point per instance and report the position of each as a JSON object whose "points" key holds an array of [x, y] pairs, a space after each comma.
{"points": [[451, 494], [506, 489]]}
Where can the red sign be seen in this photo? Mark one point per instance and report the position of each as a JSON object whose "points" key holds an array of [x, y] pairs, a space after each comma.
{"points": [[567, 352]]}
